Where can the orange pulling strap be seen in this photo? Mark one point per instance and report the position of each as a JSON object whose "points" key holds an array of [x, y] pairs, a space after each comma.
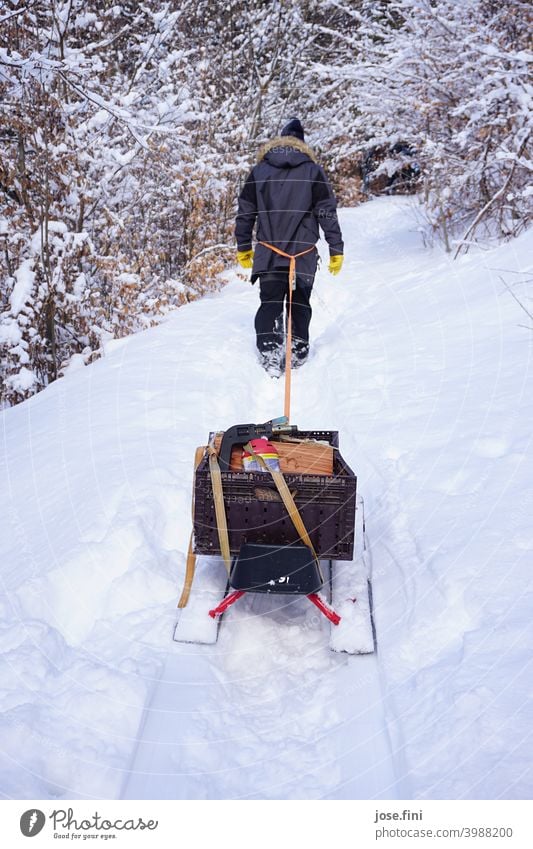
{"points": [[292, 285]]}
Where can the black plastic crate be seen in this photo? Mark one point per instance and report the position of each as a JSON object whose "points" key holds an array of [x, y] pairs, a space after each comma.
{"points": [[256, 514]]}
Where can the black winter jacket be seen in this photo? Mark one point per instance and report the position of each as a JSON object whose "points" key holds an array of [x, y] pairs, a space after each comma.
{"points": [[289, 195]]}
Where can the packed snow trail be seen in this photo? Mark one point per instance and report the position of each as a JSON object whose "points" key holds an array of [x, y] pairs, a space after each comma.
{"points": [[270, 711], [266, 696], [276, 719], [328, 739], [423, 367]]}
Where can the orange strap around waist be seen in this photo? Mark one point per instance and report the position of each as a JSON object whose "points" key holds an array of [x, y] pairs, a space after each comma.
{"points": [[291, 257], [292, 285]]}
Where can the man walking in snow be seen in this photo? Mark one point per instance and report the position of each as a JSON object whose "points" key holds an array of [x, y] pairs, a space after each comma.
{"points": [[287, 195]]}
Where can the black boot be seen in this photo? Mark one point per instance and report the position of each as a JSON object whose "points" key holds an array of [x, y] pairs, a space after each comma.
{"points": [[273, 361], [300, 352]]}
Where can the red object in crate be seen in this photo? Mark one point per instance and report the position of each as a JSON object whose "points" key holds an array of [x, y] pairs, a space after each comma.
{"points": [[256, 514], [261, 448]]}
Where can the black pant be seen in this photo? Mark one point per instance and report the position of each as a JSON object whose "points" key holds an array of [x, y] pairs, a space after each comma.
{"points": [[269, 320]]}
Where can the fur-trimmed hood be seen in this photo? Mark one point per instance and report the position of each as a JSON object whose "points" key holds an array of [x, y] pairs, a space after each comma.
{"points": [[286, 142]]}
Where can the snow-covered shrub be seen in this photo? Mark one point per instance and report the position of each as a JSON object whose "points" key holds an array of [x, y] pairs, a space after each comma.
{"points": [[106, 197], [451, 79]]}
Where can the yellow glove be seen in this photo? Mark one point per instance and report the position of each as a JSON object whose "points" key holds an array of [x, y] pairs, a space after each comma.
{"points": [[335, 264], [245, 258]]}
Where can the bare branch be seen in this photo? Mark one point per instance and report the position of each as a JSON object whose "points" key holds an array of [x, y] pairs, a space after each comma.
{"points": [[491, 202], [518, 301]]}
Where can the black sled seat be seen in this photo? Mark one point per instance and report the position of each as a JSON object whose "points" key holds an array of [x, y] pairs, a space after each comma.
{"points": [[290, 570]]}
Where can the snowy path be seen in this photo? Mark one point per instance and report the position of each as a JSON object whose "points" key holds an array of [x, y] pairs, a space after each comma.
{"points": [[279, 716], [270, 711], [424, 368], [267, 713]]}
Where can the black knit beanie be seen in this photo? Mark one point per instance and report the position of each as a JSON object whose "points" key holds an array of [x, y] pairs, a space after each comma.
{"points": [[293, 128]]}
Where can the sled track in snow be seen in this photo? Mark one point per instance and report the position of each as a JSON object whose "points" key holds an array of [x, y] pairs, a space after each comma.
{"points": [[196, 743], [267, 712]]}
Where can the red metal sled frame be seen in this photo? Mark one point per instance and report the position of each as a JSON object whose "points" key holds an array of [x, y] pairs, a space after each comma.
{"points": [[319, 603]]}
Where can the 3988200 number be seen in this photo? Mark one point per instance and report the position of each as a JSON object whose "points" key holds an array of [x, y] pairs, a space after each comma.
{"points": [[488, 831]]}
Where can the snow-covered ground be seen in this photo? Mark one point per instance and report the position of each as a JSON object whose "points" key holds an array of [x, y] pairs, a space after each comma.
{"points": [[424, 366]]}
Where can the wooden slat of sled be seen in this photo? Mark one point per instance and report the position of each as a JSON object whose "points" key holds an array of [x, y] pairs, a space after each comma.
{"points": [[310, 458]]}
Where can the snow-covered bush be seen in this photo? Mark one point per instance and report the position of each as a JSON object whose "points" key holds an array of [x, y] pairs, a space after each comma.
{"points": [[451, 79], [105, 201]]}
